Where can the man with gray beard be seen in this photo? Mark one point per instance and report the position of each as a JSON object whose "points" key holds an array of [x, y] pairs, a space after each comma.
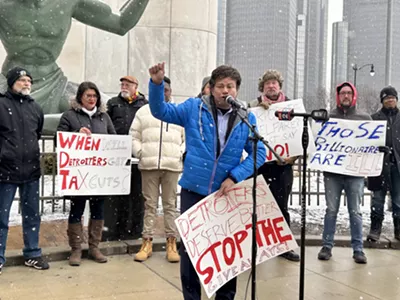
{"points": [[124, 214], [21, 124]]}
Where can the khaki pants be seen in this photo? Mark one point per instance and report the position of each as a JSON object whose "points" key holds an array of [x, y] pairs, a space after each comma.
{"points": [[151, 181]]}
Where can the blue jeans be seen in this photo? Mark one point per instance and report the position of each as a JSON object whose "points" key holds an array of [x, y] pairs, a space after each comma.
{"points": [[378, 197], [29, 194], [354, 189]]}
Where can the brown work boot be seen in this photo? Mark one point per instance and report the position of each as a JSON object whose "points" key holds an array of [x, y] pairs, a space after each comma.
{"points": [[172, 252], [145, 251], [95, 233], [74, 232]]}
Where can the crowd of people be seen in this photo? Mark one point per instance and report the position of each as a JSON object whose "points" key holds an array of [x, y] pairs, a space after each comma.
{"points": [[175, 141]]}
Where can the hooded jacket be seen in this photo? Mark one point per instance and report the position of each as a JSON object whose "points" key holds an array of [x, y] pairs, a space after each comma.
{"points": [[74, 119], [350, 113], [21, 124], [204, 170], [122, 112], [157, 144]]}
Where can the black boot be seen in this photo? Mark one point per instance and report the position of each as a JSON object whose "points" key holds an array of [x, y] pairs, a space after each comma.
{"points": [[375, 230], [396, 222]]}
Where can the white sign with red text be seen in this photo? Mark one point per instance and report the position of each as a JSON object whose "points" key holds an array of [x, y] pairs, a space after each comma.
{"points": [[284, 136], [97, 164], [217, 233]]}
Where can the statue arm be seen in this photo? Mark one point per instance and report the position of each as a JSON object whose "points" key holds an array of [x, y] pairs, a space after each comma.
{"points": [[98, 14]]}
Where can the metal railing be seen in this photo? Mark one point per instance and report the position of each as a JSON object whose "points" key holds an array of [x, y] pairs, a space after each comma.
{"points": [[52, 202]]}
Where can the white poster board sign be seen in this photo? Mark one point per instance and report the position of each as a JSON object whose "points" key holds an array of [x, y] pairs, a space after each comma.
{"points": [[284, 136], [349, 147], [97, 164], [217, 233]]}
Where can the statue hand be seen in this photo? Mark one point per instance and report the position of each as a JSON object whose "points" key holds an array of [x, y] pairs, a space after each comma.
{"points": [[157, 73]]}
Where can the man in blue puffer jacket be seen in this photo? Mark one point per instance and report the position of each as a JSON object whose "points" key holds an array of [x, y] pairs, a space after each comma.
{"points": [[215, 140]]}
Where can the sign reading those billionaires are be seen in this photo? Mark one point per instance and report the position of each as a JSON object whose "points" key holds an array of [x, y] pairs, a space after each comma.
{"points": [[217, 233], [349, 147], [97, 164], [283, 136]]}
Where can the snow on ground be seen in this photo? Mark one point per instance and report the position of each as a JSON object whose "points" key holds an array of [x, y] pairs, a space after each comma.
{"points": [[58, 209]]}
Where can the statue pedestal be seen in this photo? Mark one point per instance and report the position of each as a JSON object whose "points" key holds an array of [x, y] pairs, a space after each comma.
{"points": [[50, 124]]}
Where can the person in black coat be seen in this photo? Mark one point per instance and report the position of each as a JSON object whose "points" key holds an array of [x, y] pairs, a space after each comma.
{"points": [[21, 124], [87, 115], [390, 176]]}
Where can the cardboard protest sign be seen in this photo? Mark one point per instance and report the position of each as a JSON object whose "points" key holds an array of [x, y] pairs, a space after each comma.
{"points": [[349, 147], [217, 233], [283, 136], [98, 164]]}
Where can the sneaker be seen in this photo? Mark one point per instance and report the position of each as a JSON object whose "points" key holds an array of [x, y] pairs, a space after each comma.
{"points": [[325, 253], [359, 257], [37, 262], [291, 255], [1, 267]]}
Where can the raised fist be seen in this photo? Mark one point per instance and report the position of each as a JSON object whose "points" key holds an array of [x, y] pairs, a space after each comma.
{"points": [[157, 73]]}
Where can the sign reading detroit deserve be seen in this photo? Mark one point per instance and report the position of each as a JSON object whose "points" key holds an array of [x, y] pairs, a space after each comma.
{"points": [[283, 136], [349, 147], [217, 233], [96, 164]]}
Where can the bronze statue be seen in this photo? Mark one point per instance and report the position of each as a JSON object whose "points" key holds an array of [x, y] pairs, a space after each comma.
{"points": [[33, 33]]}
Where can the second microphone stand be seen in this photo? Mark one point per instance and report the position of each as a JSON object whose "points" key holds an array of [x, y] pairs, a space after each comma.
{"points": [[242, 113]]}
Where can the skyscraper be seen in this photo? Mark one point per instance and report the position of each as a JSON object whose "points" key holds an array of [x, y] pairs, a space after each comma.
{"points": [[340, 37], [374, 38], [221, 33], [316, 12], [261, 34]]}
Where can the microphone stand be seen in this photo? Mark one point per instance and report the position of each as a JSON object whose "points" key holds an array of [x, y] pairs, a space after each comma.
{"points": [[304, 141], [255, 138]]}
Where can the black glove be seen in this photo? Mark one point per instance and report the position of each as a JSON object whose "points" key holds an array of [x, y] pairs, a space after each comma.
{"points": [[384, 149]]}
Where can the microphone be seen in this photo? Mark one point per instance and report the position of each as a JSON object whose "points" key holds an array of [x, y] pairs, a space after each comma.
{"points": [[234, 102], [287, 114]]}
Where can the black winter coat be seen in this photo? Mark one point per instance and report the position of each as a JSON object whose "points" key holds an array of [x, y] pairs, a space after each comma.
{"points": [[21, 124], [75, 118], [122, 112], [393, 141]]}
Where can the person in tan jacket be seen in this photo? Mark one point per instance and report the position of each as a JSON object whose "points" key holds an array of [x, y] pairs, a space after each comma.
{"points": [[159, 147]]}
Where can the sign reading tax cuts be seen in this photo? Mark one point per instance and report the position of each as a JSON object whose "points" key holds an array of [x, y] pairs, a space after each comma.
{"points": [[349, 147], [283, 136], [217, 231], [97, 164]]}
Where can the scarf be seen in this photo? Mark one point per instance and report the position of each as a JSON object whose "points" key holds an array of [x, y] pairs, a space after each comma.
{"points": [[90, 113], [281, 98]]}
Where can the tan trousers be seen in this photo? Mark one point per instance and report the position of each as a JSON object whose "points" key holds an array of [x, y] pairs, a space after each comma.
{"points": [[151, 181]]}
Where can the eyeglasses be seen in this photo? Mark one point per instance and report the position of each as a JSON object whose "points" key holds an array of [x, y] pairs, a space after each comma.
{"points": [[345, 93], [91, 96]]}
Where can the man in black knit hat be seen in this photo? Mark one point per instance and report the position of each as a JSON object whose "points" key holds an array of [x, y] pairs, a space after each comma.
{"points": [[21, 124], [391, 167]]}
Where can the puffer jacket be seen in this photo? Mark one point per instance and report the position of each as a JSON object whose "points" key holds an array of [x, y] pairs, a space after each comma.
{"points": [[204, 171], [21, 124], [74, 119], [157, 144]]}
